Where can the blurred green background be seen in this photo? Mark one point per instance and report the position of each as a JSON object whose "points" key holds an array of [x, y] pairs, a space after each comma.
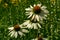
{"points": [[13, 12]]}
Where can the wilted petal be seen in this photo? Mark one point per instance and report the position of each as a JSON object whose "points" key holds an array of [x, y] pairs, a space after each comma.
{"points": [[16, 35]]}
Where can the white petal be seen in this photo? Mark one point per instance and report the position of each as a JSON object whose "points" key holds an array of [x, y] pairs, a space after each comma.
{"points": [[40, 18], [37, 17], [34, 5], [27, 12], [35, 26], [31, 6], [33, 17], [46, 11], [29, 25], [27, 22], [11, 28], [30, 14], [43, 7], [16, 34], [28, 9], [11, 33], [25, 31], [39, 25], [20, 33], [21, 26], [39, 5]]}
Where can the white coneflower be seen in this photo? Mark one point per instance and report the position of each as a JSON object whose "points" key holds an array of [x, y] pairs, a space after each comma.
{"points": [[31, 25], [17, 30], [39, 38], [37, 12]]}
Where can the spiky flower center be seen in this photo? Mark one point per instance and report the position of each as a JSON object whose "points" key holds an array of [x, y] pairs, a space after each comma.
{"points": [[37, 9], [40, 38], [16, 27]]}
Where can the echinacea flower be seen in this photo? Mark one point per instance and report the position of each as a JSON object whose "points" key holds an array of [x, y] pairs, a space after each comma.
{"points": [[17, 30], [37, 12], [39, 38], [31, 25]]}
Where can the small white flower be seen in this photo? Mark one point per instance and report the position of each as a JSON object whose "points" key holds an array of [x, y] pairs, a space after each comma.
{"points": [[17, 30], [31, 25], [37, 12], [39, 38]]}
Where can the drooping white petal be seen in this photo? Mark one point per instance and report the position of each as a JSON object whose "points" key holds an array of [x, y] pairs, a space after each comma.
{"points": [[37, 17], [30, 14], [39, 25], [11, 33], [35, 26], [20, 33], [25, 31], [29, 25], [40, 18], [11, 28], [33, 17], [15, 34]]}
